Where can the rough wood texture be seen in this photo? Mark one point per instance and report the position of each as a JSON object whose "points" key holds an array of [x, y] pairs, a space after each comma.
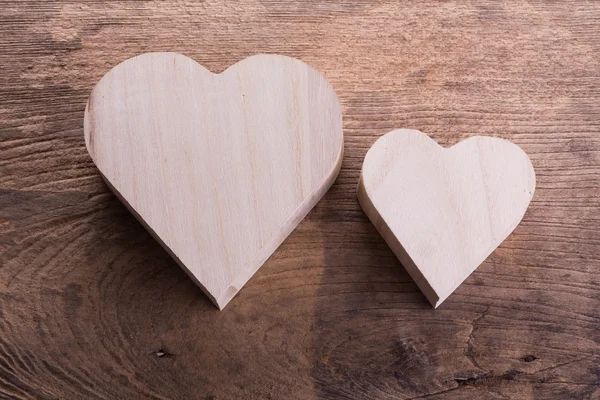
{"points": [[88, 298], [443, 211], [220, 168]]}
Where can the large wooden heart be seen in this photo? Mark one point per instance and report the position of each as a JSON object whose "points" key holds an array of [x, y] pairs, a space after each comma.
{"points": [[443, 211], [219, 167]]}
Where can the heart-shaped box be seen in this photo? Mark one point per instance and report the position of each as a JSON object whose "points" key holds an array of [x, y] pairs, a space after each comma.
{"points": [[220, 168], [444, 211]]}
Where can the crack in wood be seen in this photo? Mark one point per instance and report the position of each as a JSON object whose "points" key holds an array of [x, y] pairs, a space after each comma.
{"points": [[469, 351]]}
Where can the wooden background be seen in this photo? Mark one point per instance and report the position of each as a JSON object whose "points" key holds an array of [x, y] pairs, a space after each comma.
{"points": [[91, 307]]}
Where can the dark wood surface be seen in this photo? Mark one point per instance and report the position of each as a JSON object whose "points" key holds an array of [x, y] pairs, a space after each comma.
{"points": [[91, 307]]}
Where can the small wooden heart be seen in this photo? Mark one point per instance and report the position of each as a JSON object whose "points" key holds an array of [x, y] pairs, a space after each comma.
{"points": [[219, 167], [443, 211]]}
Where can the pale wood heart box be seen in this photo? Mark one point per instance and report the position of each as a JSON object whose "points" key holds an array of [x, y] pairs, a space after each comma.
{"points": [[220, 168], [443, 211]]}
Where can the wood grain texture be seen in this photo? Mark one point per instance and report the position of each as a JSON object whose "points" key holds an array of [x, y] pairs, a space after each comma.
{"points": [[88, 298], [220, 168], [444, 211]]}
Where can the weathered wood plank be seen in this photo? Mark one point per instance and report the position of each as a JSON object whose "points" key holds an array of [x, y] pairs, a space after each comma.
{"points": [[88, 298]]}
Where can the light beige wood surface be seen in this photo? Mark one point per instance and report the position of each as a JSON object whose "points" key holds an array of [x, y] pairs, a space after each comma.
{"points": [[444, 211], [219, 167]]}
